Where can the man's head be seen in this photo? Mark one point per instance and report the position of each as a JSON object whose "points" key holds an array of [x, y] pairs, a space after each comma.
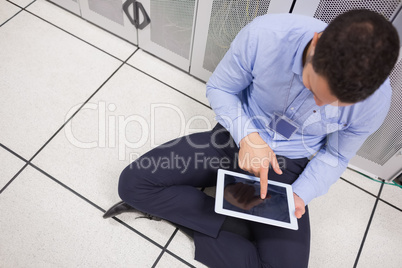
{"points": [[352, 57]]}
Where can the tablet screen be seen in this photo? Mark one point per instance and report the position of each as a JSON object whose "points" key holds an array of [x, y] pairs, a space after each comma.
{"points": [[243, 195], [238, 195]]}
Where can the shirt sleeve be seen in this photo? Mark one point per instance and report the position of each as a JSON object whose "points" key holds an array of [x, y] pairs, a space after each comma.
{"points": [[331, 161], [232, 76]]}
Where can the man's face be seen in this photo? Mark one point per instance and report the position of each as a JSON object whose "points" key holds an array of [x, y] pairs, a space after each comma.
{"points": [[317, 84]]}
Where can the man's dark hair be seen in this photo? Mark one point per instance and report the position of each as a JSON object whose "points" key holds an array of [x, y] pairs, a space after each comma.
{"points": [[356, 53]]}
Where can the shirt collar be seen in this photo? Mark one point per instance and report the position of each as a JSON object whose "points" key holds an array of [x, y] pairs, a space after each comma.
{"points": [[297, 67]]}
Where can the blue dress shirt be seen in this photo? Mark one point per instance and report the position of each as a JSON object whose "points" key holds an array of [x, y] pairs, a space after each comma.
{"points": [[261, 75]]}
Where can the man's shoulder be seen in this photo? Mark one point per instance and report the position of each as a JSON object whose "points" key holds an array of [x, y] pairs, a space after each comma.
{"points": [[381, 98], [374, 107]]}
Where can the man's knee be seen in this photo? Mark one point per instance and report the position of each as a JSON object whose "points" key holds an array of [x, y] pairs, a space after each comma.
{"points": [[129, 183], [228, 250]]}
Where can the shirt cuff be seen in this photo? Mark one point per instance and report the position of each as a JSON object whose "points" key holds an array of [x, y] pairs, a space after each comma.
{"points": [[241, 127], [304, 189]]}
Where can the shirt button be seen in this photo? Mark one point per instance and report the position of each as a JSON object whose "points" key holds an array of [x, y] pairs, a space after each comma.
{"points": [[292, 108]]}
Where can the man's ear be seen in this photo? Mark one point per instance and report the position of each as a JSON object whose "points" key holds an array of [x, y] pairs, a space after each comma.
{"points": [[314, 41]]}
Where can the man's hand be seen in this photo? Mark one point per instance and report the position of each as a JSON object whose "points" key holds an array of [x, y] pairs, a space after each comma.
{"points": [[299, 206], [255, 156]]}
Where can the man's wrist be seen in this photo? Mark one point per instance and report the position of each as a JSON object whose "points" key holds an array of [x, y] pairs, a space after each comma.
{"points": [[247, 137]]}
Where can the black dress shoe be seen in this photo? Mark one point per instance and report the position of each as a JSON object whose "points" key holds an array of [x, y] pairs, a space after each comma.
{"points": [[122, 207], [117, 209]]}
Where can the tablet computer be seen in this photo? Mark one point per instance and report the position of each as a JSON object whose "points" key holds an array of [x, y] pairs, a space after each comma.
{"points": [[238, 195]]}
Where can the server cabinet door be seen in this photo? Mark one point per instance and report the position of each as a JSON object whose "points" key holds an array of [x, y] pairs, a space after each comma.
{"points": [[218, 23], [71, 5], [109, 15], [170, 32]]}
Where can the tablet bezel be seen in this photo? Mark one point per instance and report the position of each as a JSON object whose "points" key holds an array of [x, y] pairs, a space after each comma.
{"points": [[293, 225]]}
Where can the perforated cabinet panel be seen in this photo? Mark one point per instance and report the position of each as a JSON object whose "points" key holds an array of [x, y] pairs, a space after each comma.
{"points": [[327, 10], [110, 9], [227, 19], [172, 24], [387, 140]]}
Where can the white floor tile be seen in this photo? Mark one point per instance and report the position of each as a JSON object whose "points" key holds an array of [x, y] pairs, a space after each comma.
{"points": [[7, 10], [211, 191], [22, 3], [47, 72], [338, 222], [183, 247], [159, 231], [362, 181], [10, 165], [130, 115], [383, 243], [45, 225], [392, 194], [168, 261], [170, 75], [82, 29]]}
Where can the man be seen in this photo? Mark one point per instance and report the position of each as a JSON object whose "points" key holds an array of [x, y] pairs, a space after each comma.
{"points": [[288, 88]]}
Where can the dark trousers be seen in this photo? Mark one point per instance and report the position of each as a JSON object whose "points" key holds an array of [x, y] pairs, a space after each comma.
{"points": [[164, 182]]}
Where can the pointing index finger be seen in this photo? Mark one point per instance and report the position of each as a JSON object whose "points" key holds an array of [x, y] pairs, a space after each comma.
{"points": [[263, 182]]}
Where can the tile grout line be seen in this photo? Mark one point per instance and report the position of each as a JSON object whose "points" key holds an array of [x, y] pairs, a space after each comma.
{"points": [[171, 253], [63, 125], [391, 205], [174, 66], [90, 22], [368, 226], [360, 188], [93, 204], [58, 27], [28, 163], [86, 42], [13, 178], [187, 73], [367, 192], [19, 172], [180, 259], [29, 12], [164, 248], [78, 110], [82, 18], [12, 152], [164, 83], [21, 9]]}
